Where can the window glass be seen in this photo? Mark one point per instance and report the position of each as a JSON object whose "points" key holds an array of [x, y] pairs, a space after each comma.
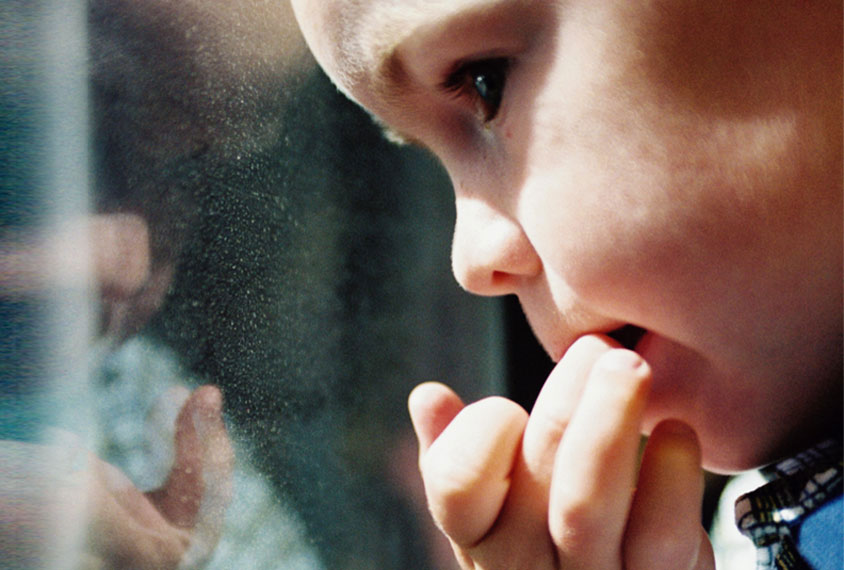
{"points": [[188, 201]]}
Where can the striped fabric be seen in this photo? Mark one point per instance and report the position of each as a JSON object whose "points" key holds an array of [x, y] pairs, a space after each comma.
{"points": [[771, 515]]}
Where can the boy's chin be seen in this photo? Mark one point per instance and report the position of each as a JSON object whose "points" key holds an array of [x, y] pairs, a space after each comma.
{"points": [[723, 462], [725, 455], [719, 407], [729, 451]]}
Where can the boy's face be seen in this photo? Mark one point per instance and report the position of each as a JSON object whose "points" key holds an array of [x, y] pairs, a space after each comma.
{"points": [[671, 165]]}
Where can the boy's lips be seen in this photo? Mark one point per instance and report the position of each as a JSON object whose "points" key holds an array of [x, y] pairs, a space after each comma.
{"points": [[631, 337]]}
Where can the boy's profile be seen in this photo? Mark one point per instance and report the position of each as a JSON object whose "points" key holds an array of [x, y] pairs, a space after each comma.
{"points": [[666, 173]]}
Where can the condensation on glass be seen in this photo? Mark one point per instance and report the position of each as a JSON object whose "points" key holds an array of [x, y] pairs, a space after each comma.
{"points": [[187, 201]]}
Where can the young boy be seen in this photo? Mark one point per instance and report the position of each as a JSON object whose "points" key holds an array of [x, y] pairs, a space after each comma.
{"points": [[665, 174]]}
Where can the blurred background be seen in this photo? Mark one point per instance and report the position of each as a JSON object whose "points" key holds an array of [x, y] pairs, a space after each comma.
{"points": [[187, 200]]}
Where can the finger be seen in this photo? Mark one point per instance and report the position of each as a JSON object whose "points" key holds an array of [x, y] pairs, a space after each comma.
{"points": [[126, 530], [664, 530], [525, 512], [203, 458], [217, 465], [217, 452], [160, 430], [555, 406], [595, 467], [432, 406], [179, 498], [466, 470]]}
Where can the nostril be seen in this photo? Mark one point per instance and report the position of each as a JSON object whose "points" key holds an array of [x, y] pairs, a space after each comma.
{"points": [[500, 278], [482, 279]]}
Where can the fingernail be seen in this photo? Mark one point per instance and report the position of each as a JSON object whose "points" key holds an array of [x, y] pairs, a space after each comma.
{"points": [[620, 360]]}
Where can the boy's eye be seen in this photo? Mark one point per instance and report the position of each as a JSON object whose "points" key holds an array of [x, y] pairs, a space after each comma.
{"points": [[483, 82]]}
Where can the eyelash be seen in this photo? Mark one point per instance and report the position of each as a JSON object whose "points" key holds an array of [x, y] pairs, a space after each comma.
{"points": [[467, 81]]}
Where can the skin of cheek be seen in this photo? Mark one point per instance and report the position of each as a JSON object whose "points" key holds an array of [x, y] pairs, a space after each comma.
{"points": [[673, 241], [701, 291], [669, 272]]}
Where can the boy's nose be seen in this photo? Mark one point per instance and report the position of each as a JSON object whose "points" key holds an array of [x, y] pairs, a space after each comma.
{"points": [[490, 253]]}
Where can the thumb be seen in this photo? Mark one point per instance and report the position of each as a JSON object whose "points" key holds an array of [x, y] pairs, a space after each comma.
{"points": [[664, 529], [432, 406], [203, 460]]}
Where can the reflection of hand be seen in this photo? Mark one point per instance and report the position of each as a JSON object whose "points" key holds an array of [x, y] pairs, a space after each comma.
{"points": [[559, 488], [178, 525]]}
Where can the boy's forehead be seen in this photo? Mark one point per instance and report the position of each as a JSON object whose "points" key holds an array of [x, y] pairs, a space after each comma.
{"points": [[352, 39]]}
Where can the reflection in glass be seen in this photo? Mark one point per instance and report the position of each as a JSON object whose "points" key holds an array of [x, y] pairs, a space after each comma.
{"points": [[248, 229]]}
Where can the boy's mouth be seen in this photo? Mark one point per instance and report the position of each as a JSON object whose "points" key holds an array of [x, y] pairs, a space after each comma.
{"points": [[628, 336]]}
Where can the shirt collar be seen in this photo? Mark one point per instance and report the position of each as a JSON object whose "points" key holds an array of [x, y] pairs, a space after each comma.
{"points": [[797, 486]]}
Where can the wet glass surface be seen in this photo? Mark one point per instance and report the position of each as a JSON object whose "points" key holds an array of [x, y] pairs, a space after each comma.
{"points": [[188, 201]]}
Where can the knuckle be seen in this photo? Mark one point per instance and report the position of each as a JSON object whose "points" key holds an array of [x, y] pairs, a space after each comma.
{"points": [[578, 527], [448, 481], [551, 423], [462, 504]]}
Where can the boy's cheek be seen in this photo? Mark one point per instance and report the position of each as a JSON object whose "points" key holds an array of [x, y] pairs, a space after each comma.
{"points": [[601, 244]]}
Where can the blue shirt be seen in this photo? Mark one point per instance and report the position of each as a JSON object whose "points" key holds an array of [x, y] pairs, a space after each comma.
{"points": [[796, 520]]}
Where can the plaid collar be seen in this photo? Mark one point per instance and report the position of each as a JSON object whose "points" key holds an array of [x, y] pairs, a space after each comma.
{"points": [[771, 515]]}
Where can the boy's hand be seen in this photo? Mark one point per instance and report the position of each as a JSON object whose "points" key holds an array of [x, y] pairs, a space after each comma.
{"points": [[178, 525], [562, 488]]}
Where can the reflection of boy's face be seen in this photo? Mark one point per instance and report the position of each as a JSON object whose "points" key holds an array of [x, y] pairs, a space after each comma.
{"points": [[649, 163]]}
